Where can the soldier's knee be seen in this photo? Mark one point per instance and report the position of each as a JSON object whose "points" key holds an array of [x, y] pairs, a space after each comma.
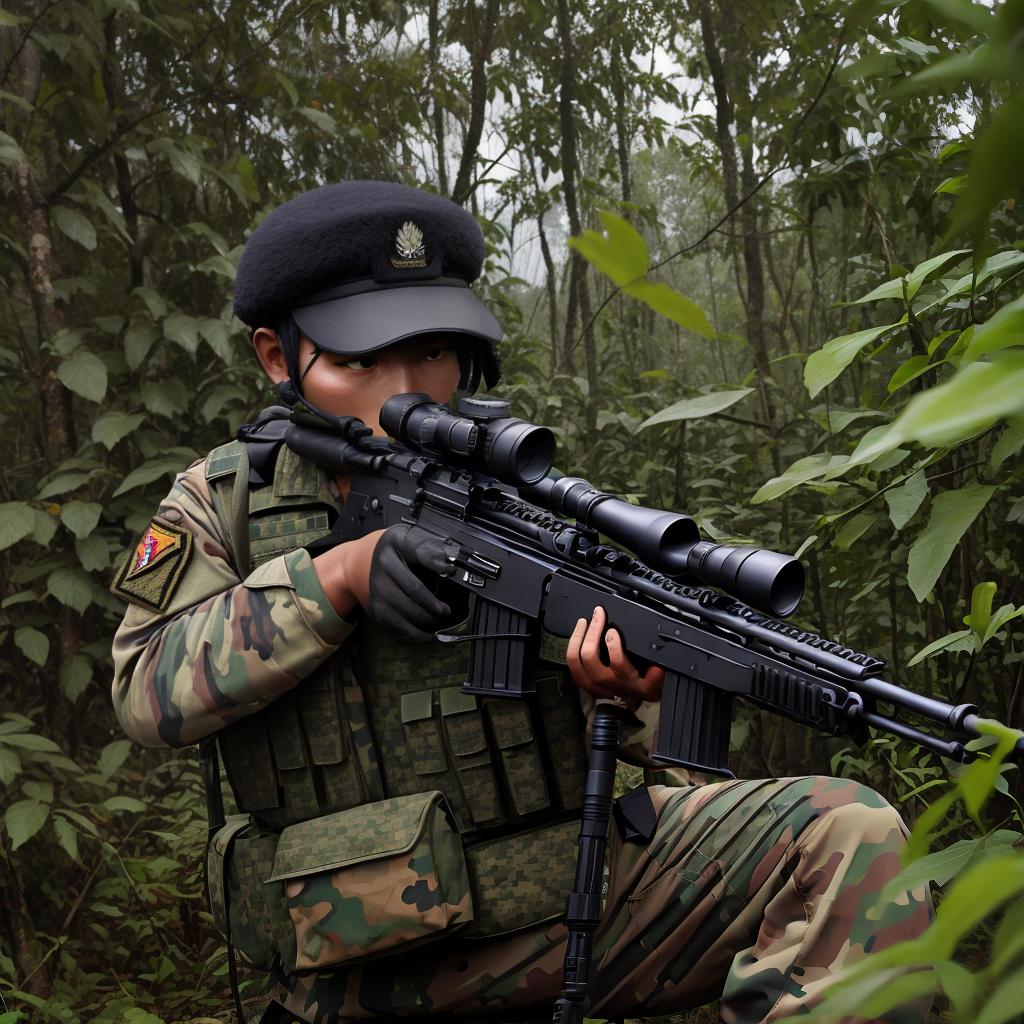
{"points": [[855, 813]]}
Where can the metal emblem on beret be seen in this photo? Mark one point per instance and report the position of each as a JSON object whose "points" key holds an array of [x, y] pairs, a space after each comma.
{"points": [[410, 247]]}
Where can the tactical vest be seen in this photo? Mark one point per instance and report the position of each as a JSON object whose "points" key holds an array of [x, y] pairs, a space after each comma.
{"points": [[384, 718]]}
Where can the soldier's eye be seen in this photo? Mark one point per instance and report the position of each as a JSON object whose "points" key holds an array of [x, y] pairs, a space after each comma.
{"points": [[360, 363], [433, 354]]}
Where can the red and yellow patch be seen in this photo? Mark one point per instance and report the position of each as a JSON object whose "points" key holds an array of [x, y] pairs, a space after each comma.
{"points": [[152, 572]]}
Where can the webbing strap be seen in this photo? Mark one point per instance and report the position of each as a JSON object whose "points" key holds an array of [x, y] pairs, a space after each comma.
{"points": [[240, 515]]}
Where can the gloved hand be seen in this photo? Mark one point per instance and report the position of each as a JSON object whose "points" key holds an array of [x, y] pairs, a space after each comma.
{"points": [[399, 599]]}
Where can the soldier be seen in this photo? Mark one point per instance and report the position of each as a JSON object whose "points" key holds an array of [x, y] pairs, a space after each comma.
{"points": [[341, 721]]}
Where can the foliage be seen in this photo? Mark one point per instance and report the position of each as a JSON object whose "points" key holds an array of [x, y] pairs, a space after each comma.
{"points": [[737, 180]]}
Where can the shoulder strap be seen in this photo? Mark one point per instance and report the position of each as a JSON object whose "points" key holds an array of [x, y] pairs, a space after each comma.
{"points": [[240, 515]]}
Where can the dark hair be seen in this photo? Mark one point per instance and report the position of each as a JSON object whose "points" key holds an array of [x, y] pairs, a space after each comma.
{"points": [[476, 358]]}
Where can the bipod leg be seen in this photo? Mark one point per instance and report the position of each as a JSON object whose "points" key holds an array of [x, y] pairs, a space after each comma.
{"points": [[583, 912]]}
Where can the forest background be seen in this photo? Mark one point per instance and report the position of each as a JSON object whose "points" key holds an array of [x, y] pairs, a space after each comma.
{"points": [[794, 311]]}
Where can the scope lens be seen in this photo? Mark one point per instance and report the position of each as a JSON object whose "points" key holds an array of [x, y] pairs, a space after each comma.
{"points": [[519, 452]]}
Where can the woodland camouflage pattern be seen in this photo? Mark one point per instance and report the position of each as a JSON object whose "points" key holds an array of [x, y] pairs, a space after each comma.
{"points": [[762, 888], [765, 887], [222, 649]]}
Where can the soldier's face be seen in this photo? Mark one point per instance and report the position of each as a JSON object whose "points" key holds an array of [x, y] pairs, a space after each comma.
{"points": [[359, 385]]}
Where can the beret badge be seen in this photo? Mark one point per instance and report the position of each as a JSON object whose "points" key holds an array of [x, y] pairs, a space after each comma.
{"points": [[410, 248]]}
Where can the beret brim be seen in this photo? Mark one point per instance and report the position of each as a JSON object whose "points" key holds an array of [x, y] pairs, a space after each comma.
{"points": [[371, 320]]}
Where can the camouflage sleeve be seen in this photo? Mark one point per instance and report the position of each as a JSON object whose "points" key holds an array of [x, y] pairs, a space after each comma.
{"points": [[199, 648]]}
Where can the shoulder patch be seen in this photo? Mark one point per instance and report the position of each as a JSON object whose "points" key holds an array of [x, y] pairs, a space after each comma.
{"points": [[151, 573], [223, 460]]}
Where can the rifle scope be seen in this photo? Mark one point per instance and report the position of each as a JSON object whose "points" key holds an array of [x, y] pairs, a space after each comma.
{"points": [[764, 579], [515, 451]]}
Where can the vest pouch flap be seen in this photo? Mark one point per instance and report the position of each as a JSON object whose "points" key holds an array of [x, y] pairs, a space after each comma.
{"points": [[239, 858], [422, 732], [522, 880], [371, 880]]}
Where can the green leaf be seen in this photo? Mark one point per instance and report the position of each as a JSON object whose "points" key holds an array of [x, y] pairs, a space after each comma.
{"points": [[853, 529], [218, 338], [75, 676], [182, 162], [125, 803], [33, 644], [63, 481], [827, 363], [45, 527], [115, 426], [910, 369], [320, 118], [10, 151], [184, 330], [918, 275], [24, 819], [981, 607], [66, 836], [16, 521], [696, 408], [943, 865], [288, 86], [93, 553], [993, 172], [10, 766], [974, 398], [76, 226], [1005, 329], [905, 500], [41, 791], [85, 374], [1007, 613], [1004, 1004], [138, 340], [811, 467], [164, 397], [888, 290], [149, 471], [945, 643], [113, 756], [951, 515], [71, 587], [30, 741], [1010, 442], [154, 302], [80, 517], [668, 302]]}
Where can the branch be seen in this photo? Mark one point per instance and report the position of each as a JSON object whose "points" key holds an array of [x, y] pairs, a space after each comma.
{"points": [[729, 214], [25, 38]]}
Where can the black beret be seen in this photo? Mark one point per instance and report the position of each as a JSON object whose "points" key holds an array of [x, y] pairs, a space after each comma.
{"points": [[383, 233]]}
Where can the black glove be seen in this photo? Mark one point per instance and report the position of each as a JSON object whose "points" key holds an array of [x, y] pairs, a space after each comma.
{"points": [[400, 599]]}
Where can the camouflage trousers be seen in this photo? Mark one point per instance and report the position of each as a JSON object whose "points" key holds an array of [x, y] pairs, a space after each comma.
{"points": [[756, 892]]}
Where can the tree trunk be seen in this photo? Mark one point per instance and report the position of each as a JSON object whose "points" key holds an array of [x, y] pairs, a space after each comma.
{"points": [[480, 54], [579, 291], [437, 111]]}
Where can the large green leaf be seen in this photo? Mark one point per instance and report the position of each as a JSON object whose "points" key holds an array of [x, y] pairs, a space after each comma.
{"points": [[975, 397], [961, 640], [951, 516], [320, 118], [76, 226], [71, 587], [943, 865], [698, 407], [113, 755], [114, 426], [80, 517], [621, 254], [16, 521], [184, 330], [1010, 442], [905, 500], [75, 676], [811, 467], [147, 473], [24, 819], [85, 374], [1004, 330], [138, 340], [822, 367], [33, 643]]}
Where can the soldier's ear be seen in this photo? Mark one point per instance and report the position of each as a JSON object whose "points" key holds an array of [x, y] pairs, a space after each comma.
{"points": [[270, 353]]}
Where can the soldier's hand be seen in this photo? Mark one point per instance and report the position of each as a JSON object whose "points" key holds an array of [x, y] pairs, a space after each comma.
{"points": [[398, 598], [615, 677], [384, 573]]}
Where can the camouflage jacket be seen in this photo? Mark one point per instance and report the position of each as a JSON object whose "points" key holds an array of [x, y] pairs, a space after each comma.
{"points": [[200, 647]]}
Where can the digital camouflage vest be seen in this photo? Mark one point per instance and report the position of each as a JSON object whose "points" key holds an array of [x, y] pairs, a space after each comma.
{"points": [[384, 719]]}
